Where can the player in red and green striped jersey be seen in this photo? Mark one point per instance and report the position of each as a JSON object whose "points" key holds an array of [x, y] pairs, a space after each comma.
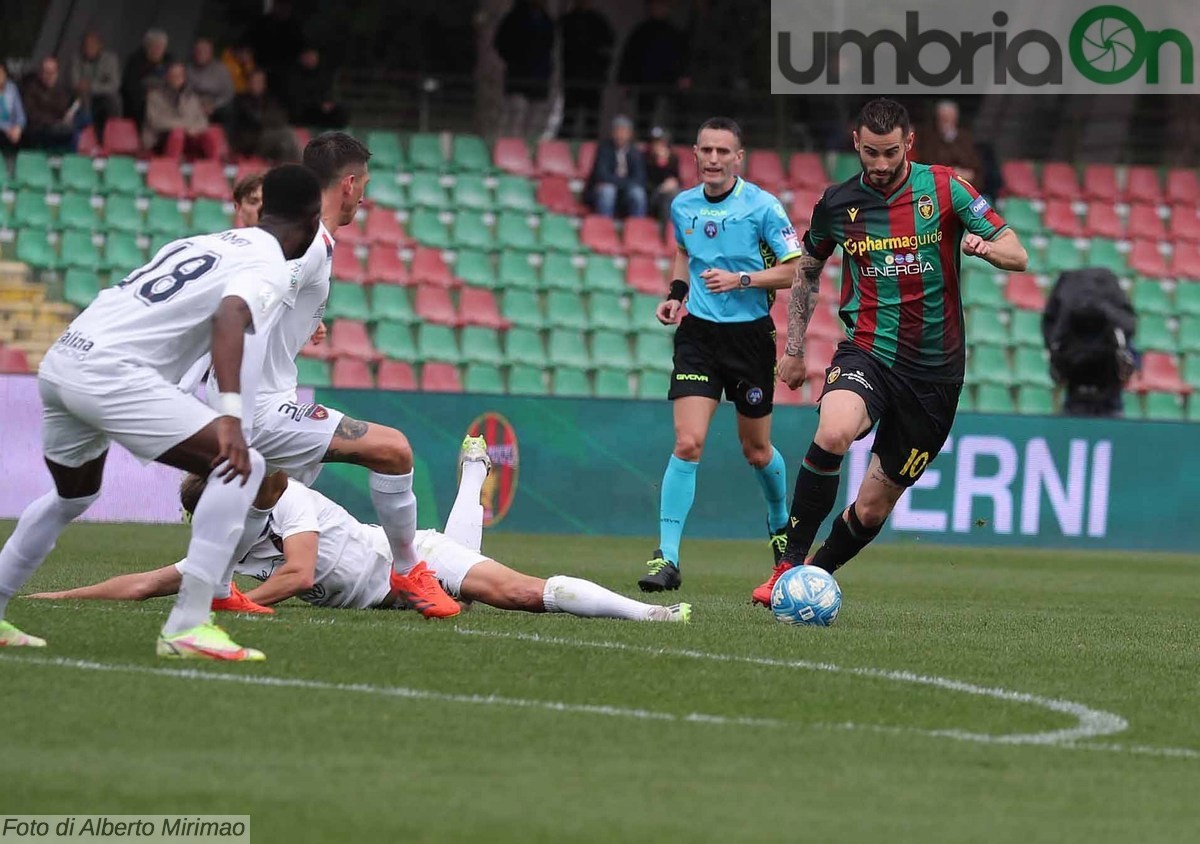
{"points": [[901, 227]]}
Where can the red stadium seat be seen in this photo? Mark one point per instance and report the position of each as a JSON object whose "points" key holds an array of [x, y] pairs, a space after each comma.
{"points": [[1160, 373], [1023, 291], [1142, 186], [352, 374], [765, 170], [346, 266], [429, 267], [1184, 224], [88, 144], [1100, 182], [599, 234], [670, 245], [1183, 188], [803, 202], [805, 170], [1059, 181], [321, 352], [383, 227], [1060, 218], [643, 275], [13, 361], [784, 396], [121, 137], [1020, 180], [1103, 221], [165, 178], [554, 193], [512, 156], [689, 175], [824, 325], [250, 167], [642, 236], [350, 235], [1185, 261], [586, 158], [818, 353], [1145, 259], [433, 305], [349, 338], [554, 159], [477, 306], [1145, 224], [396, 375], [440, 378], [208, 180], [384, 265]]}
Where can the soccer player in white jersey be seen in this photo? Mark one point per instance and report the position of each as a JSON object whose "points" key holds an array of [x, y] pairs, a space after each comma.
{"points": [[112, 376], [316, 551]]}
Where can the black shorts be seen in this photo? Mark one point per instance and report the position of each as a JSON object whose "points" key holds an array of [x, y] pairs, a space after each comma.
{"points": [[913, 415], [734, 358]]}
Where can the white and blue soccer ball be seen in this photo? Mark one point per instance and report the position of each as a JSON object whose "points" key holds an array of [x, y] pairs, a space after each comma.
{"points": [[806, 595]]}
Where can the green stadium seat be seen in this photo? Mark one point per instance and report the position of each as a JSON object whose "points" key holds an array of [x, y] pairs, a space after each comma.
{"points": [[164, 218], [1062, 254], [606, 311], [121, 176], [846, 165], [1021, 215], [395, 341], [78, 173], [966, 399], [514, 232], [559, 272], [520, 307], [470, 153], [527, 381], [426, 191], [983, 292], [387, 153], [1187, 298], [121, 214], [470, 192], [80, 287], [475, 268], [653, 385], [470, 231], [524, 346], [208, 215], [1191, 371], [642, 318], [386, 192], [565, 310], [1193, 409], [993, 398], [559, 233], [312, 373], [437, 343], [611, 350], [32, 171], [425, 226], [1026, 328], [568, 348], [121, 252], [30, 211], [1189, 334], [1032, 366], [984, 326], [515, 193], [1154, 334], [1106, 253], [602, 273], [654, 351], [389, 302], [483, 378], [1132, 403], [347, 301], [78, 250], [613, 384], [989, 365], [571, 382], [1039, 400], [515, 270], [76, 212], [1151, 297], [481, 345], [425, 152], [1164, 407]]}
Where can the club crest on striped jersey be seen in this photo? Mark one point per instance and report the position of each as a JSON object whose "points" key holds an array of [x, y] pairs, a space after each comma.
{"points": [[925, 206]]}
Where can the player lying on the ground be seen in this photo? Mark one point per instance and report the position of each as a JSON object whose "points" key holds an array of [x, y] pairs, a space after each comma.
{"points": [[318, 552]]}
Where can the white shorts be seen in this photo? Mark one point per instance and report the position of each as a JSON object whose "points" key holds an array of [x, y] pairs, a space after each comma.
{"points": [[448, 560], [294, 437], [87, 404]]}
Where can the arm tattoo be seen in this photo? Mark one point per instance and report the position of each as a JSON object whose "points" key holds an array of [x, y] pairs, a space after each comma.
{"points": [[804, 300]]}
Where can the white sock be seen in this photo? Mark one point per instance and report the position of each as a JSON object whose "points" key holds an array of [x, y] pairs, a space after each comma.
{"points": [[33, 540], [256, 523], [465, 524], [217, 525], [396, 507], [584, 598]]}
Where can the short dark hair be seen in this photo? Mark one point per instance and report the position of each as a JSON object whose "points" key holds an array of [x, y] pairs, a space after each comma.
{"points": [[724, 124], [330, 153], [290, 192], [246, 186], [190, 489], [882, 115]]}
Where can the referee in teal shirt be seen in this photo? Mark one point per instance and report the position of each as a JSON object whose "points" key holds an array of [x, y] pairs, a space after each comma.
{"points": [[735, 246]]}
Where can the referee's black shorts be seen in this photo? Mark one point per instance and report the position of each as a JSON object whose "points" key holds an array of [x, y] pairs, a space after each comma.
{"points": [[733, 358]]}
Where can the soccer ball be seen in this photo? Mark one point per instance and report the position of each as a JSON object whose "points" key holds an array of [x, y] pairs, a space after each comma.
{"points": [[806, 595]]}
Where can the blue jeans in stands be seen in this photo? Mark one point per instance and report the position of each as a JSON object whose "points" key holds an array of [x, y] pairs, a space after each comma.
{"points": [[632, 196]]}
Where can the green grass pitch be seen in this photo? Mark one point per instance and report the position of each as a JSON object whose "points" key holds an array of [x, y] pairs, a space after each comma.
{"points": [[962, 696]]}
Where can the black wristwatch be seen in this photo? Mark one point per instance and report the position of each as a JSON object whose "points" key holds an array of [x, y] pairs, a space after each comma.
{"points": [[744, 280]]}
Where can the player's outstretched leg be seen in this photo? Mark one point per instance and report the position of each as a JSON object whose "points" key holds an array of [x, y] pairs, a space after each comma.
{"points": [[465, 523], [862, 521]]}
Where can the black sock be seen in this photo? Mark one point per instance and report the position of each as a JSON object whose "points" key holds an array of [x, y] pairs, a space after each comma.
{"points": [[847, 538], [816, 492]]}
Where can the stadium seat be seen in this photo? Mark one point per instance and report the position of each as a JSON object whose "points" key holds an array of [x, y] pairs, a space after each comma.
{"points": [[1035, 400], [428, 229], [993, 398], [554, 159], [846, 165], [613, 384], [558, 233], [805, 170], [565, 309], [1106, 253], [524, 346], [559, 272], [121, 252], [1019, 213], [1031, 365], [352, 374], [471, 231], [384, 265], [1060, 218], [208, 180], [32, 171], [520, 307], [387, 153], [481, 345], [514, 193], [433, 304], [440, 378], [1022, 291], [1185, 262], [1164, 407], [985, 326], [527, 381], [437, 343], [80, 287], [1154, 332], [469, 154], [1100, 182], [385, 192], [391, 303], [1187, 299], [351, 234], [1060, 181], [689, 173], [1142, 185], [395, 340], [824, 324], [121, 176], [599, 233], [641, 236], [1132, 405], [425, 152], [383, 227], [1103, 221], [516, 270], [1159, 372], [568, 348], [1020, 179], [804, 200], [654, 351], [1183, 187], [347, 267], [643, 275], [77, 249], [819, 354], [34, 248], [585, 158], [764, 168], [426, 191], [349, 338], [512, 156], [1145, 224], [1150, 297], [483, 378], [1062, 254], [983, 291], [165, 178], [610, 349], [88, 144], [477, 306], [1184, 225], [475, 268], [654, 385], [1145, 259], [641, 313], [571, 382], [606, 311], [471, 193], [396, 375], [988, 365], [554, 193], [78, 173], [429, 267], [121, 137], [164, 219], [31, 210], [1025, 328], [208, 215], [348, 301], [602, 273], [1189, 334], [513, 232]]}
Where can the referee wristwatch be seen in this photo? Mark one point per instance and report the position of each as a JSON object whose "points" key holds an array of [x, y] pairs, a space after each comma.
{"points": [[744, 280]]}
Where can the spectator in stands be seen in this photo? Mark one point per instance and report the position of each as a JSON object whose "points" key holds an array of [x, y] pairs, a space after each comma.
{"points": [[662, 173], [258, 125], [276, 38], [239, 61], [52, 117], [619, 173], [587, 48], [144, 70], [247, 201], [525, 42], [95, 77], [210, 80], [175, 121], [652, 66], [950, 144], [12, 114], [310, 94]]}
